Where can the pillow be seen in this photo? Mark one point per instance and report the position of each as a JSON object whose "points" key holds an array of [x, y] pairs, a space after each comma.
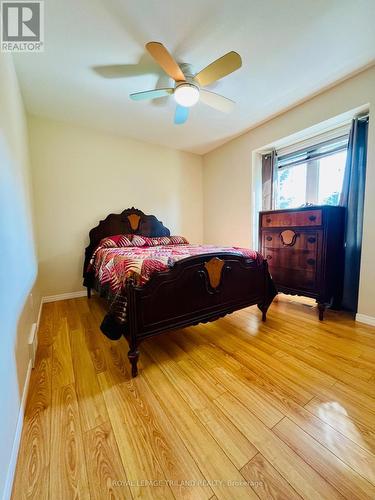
{"points": [[178, 240], [161, 240], [140, 241], [119, 240], [135, 240]]}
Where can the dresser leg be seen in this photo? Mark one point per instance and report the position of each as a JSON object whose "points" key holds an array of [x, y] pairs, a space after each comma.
{"points": [[264, 311], [133, 356], [321, 309]]}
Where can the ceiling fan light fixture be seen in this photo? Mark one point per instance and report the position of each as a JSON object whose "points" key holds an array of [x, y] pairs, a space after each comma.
{"points": [[186, 94]]}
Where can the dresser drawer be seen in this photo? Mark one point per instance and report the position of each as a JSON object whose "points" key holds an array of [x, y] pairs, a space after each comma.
{"points": [[291, 259], [297, 218], [304, 240], [297, 279]]}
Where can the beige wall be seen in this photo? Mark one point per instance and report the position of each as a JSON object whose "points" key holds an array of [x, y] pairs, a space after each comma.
{"points": [[81, 175], [227, 189], [17, 263]]}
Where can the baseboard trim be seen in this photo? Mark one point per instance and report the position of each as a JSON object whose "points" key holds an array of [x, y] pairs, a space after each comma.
{"points": [[64, 296], [17, 438], [39, 315], [363, 318], [33, 343]]}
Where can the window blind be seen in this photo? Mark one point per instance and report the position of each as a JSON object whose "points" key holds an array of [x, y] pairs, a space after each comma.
{"points": [[315, 152], [314, 140]]}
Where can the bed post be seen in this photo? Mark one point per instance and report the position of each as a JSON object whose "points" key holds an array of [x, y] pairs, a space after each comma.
{"points": [[270, 292], [133, 354]]}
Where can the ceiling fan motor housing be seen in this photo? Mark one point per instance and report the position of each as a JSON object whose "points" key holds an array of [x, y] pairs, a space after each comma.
{"points": [[188, 71]]}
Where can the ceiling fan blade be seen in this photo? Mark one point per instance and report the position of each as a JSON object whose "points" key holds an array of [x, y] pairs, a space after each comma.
{"points": [[165, 60], [123, 70], [150, 94], [216, 101], [219, 68], [181, 115]]}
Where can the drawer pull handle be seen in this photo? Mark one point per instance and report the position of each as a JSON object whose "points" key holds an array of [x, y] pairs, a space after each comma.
{"points": [[288, 237], [311, 261], [312, 217], [269, 238], [269, 257], [311, 239], [268, 219]]}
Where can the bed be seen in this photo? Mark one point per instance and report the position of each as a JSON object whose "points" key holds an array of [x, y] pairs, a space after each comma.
{"points": [[155, 282]]}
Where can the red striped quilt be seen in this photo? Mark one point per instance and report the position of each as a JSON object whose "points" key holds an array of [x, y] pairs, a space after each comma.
{"points": [[113, 266]]}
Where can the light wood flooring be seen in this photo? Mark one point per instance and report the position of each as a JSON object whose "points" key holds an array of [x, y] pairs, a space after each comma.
{"points": [[231, 409]]}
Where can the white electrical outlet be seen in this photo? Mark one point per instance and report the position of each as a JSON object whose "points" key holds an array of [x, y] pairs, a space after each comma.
{"points": [[33, 344]]}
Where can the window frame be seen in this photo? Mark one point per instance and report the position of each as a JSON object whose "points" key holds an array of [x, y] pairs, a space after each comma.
{"points": [[309, 155]]}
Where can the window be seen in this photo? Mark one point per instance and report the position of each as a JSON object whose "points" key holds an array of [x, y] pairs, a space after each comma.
{"points": [[312, 175]]}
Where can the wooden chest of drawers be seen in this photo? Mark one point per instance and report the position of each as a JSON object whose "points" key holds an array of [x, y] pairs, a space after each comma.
{"points": [[305, 251]]}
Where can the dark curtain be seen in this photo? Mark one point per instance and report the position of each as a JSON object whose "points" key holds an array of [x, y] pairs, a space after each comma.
{"points": [[268, 178], [352, 197]]}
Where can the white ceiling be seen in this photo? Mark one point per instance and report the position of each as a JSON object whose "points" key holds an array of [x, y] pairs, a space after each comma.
{"points": [[290, 49]]}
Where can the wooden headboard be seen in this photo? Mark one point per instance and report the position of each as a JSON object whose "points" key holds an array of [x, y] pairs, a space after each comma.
{"points": [[130, 221]]}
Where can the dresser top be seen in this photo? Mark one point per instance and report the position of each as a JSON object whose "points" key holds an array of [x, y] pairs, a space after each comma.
{"points": [[305, 208]]}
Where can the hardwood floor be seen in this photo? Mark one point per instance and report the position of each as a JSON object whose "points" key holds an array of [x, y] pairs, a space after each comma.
{"points": [[232, 409]]}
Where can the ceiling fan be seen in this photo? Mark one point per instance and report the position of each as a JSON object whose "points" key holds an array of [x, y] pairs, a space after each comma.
{"points": [[188, 88]]}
